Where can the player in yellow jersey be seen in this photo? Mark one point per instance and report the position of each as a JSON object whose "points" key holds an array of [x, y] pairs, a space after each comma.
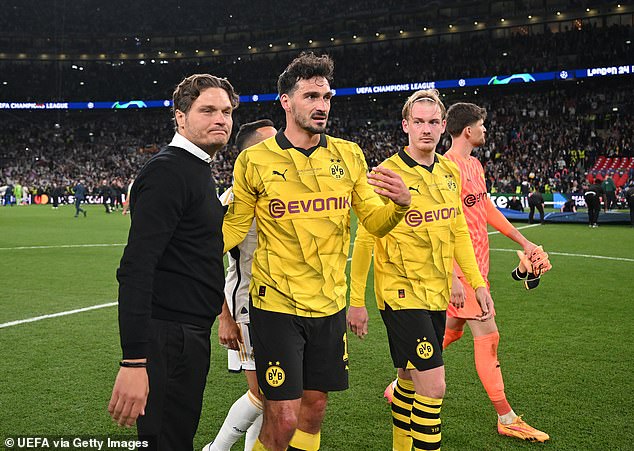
{"points": [[413, 265], [300, 185]]}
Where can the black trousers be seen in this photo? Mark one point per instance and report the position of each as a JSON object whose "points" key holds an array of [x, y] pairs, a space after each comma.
{"points": [[594, 205], [630, 203], [610, 199], [531, 215], [178, 363]]}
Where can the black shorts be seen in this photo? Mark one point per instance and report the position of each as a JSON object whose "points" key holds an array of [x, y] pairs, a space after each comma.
{"points": [[415, 337], [295, 353]]}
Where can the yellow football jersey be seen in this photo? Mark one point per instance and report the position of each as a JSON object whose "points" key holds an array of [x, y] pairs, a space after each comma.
{"points": [[413, 263], [301, 200]]}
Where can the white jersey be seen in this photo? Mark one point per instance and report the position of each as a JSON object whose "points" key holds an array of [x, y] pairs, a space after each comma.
{"points": [[237, 293], [239, 270]]}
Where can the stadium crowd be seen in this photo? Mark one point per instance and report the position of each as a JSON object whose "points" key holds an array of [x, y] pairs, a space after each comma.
{"points": [[548, 138], [380, 62]]}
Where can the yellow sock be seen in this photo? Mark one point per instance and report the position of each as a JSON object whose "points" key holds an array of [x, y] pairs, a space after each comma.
{"points": [[401, 440], [304, 441], [401, 412], [425, 423]]}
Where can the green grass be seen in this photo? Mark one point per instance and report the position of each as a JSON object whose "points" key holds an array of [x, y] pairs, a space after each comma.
{"points": [[566, 348]]}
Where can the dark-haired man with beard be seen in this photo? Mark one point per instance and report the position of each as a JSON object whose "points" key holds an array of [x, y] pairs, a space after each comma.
{"points": [[300, 185]]}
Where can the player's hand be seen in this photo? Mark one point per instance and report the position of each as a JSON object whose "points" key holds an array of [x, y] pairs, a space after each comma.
{"points": [[486, 303], [525, 265], [540, 261], [129, 396], [357, 319], [228, 331], [389, 184], [529, 247], [458, 295]]}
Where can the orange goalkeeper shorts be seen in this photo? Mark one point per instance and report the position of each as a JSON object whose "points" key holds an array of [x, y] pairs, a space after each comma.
{"points": [[471, 307]]}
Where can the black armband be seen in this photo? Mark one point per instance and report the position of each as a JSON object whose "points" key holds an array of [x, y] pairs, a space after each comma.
{"points": [[126, 364]]}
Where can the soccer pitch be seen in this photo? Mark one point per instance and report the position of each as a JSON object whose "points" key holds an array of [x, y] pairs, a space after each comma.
{"points": [[565, 349]]}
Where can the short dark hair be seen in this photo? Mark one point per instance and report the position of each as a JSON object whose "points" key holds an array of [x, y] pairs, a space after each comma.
{"points": [[461, 115], [306, 66], [190, 88], [247, 131]]}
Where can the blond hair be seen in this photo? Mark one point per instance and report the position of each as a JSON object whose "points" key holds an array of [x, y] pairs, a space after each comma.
{"points": [[425, 95]]}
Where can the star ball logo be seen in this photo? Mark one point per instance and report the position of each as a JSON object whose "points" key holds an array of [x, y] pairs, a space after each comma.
{"points": [[424, 349], [275, 375]]}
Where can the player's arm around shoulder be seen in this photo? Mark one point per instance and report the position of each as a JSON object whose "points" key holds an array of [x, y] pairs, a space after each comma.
{"points": [[374, 198], [241, 207], [388, 183]]}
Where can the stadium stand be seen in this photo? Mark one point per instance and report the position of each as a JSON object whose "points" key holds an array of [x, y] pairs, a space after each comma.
{"points": [[621, 168], [555, 135]]}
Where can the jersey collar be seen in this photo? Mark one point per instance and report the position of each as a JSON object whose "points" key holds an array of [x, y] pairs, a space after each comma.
{"points": [[184, 143], [408, 160], [284, 143]]}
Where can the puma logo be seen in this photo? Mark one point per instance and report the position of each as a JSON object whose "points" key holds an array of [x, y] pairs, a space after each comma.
{"points": [[281, 174], [411, 188]]}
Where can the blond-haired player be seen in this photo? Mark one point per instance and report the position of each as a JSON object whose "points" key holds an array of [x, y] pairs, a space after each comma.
{"points": [[413, 265]]}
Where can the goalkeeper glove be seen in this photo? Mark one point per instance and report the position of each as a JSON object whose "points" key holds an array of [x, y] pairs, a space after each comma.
{"points": [[524, 271], [539, 261]]}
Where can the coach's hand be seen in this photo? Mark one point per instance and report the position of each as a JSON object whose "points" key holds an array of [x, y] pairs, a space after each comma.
{"points": [[389, 184], [129, 396], [358, 321], [486, 303], [458, 295]]}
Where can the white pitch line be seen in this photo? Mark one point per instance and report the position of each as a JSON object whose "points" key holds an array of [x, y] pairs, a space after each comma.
{"points": [[63, 246], [567, 254], [60, 246], [55, 315], [518, 228]]}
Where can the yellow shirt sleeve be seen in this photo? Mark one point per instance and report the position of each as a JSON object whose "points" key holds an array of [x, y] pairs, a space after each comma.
{"points": [[375, 215], [239, 217], [465, 255], [360, 266]]}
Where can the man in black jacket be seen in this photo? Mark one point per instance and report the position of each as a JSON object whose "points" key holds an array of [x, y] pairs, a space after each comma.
{"points": [[593, 196], [535, 200], [171, 276]]}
